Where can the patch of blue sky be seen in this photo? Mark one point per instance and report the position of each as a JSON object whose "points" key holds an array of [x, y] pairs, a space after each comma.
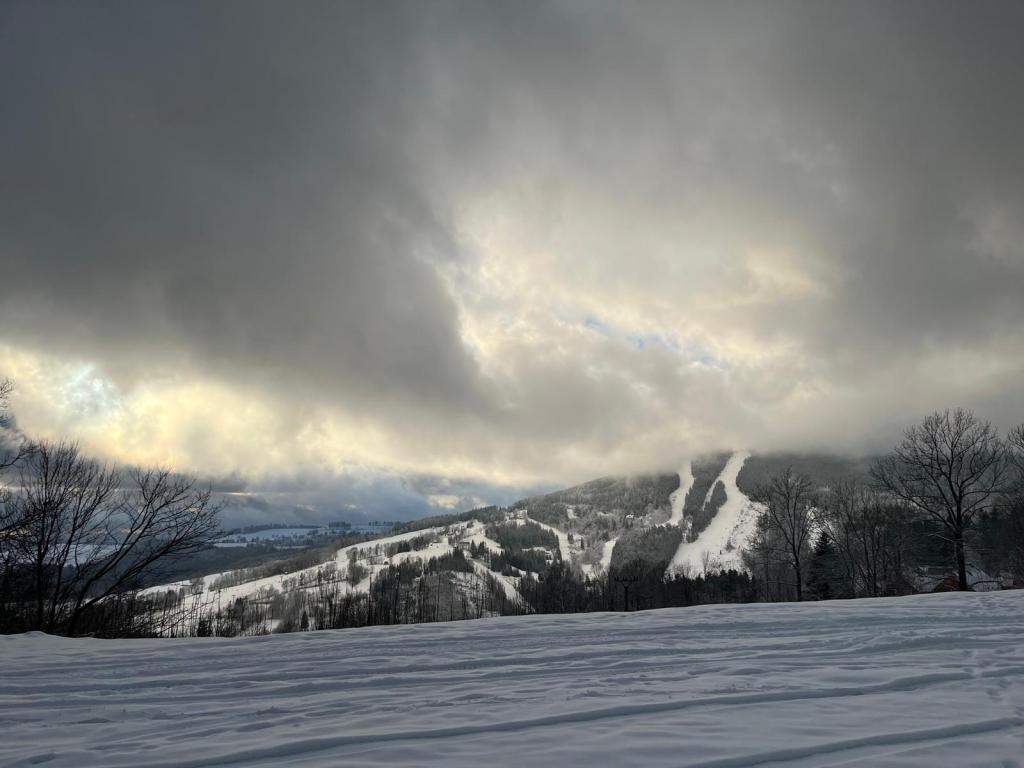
{"points": [[699, 354], [689, 349]]}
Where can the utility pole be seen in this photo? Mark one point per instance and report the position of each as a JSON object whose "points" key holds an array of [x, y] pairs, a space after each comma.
{"points": [[626, 582]]}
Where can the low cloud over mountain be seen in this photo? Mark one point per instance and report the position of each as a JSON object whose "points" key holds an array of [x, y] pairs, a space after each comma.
{"points": [[522, 245]]}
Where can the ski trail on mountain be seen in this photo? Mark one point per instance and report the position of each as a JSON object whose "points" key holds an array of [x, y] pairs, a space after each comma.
{"points": [[563, 540], [606, 553], [677, 499], [511, 592], [728, 533]]}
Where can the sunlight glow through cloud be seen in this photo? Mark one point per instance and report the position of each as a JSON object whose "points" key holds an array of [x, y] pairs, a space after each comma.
{"points": [[510, 248]]}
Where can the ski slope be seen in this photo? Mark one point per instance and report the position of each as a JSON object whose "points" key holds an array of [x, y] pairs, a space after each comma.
{"points": [[254, 586], [207, 595], [470, 531], [921, 681], [510, 589], [564, 547], [606, 553], [677, 499], [728, 534]]}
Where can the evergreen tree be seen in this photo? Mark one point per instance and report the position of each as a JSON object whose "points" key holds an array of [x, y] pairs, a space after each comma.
{"points": [[821, 571]]}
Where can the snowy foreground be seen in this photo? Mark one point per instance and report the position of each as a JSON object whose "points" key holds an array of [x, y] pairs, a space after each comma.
{"points": [[922, 681]]}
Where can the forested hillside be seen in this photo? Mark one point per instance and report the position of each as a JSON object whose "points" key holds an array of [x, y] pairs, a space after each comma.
{"points": [[727, 527]]}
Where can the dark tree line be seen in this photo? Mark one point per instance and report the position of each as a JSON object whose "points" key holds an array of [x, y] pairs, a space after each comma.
{"points": [[951, 488], [526, 548]]}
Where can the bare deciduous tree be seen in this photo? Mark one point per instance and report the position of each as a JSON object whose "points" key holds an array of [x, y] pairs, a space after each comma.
{"points": [[869, 536], [6, 387], [950, 467], [13, 450], [63, 501], [1015, 444], [84, 535], [1011, 528], [13, 446], [788, 513], [164, 516], [709, 564]]}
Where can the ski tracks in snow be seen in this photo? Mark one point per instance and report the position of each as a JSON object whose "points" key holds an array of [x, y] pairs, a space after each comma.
{"points": [[913, 682]]}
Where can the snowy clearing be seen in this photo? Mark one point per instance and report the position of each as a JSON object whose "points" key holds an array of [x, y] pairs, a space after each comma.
{"points": [[920, 681]]}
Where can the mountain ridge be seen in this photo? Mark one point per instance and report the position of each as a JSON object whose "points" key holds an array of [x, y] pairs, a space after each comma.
{"points": [[492, 560]]}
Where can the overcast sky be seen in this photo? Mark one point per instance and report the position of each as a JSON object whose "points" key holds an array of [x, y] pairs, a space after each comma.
{"points": [[506, 244]]}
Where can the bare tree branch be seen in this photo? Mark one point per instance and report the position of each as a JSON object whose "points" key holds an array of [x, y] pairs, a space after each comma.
{"points": [[949, 468], [83, 537], [788, 502]]}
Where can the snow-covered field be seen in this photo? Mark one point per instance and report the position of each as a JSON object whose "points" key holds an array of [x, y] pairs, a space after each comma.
{"points": [[934, 680]]}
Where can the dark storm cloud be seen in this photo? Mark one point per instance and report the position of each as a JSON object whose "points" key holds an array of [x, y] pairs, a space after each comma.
{"points": [[412, 211], [925, 103], [226, 183]]}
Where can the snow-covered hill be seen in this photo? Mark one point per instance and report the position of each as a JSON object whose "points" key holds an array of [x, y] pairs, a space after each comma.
{"points": [[695, 521], [703, 500], [367, 554], [922, 681], [352, 570]]}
